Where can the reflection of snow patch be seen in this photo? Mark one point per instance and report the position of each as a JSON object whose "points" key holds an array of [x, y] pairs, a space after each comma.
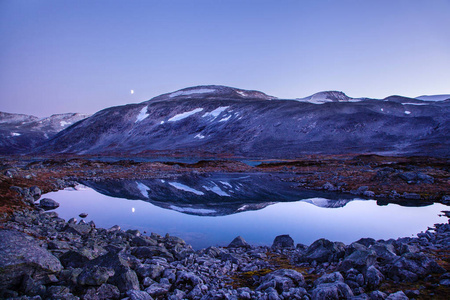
{"points": [[15, 134], [382, 109], [184, 115], [162, 180], [199, 136], [217, 190], [185, 188], [226, 183], [190, 92], [407, 112], [192, 210], [225, 119], [162, 122], [215, 113], [142, 115], [143, 189]]}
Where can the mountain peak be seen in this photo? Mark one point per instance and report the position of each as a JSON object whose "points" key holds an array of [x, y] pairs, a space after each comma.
{"points": [[213, 92], [327, 96]]}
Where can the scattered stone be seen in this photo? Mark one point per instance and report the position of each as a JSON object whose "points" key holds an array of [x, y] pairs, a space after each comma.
{"points": [[83, 215]]}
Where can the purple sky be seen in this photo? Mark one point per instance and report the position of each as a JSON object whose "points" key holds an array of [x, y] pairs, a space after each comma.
{"points": [[82, 56]]}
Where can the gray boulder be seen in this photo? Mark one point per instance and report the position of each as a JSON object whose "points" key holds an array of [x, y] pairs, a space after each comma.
{"points": [[331, 291], [358, 260], [283, 241], [282, 280], [48, 204], [329, 278], [323, 250], [238, 242], [21, 254], [413, 266], [373, 278], [397, 296]]}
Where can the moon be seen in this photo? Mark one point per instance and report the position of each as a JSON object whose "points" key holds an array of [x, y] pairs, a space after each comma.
{"points": [[132, 92]]}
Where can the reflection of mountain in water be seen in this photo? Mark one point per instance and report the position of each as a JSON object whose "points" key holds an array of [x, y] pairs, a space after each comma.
{"points": [[213, 194]]}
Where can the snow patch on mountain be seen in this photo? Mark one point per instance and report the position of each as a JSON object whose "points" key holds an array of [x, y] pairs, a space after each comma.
{"points": [[216, 189], [216, 112], [185, 188], [190, 92], [199, 136], [184, 115], [142, 114], [64, 123], [15, 134]]}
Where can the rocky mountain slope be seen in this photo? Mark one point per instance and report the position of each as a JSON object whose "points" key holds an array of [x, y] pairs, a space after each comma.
{"points": [[214, 121], [20, 133]]}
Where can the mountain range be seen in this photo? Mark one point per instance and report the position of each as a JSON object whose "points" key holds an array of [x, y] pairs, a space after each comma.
{"points": [[219, 121]]}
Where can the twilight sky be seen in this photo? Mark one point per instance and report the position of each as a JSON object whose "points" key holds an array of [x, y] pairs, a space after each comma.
{"points": [[61, 56]]}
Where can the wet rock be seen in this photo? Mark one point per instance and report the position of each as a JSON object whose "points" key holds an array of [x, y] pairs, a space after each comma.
{"points": [[283, 241], [238, 242], [48, 204], [331, 291], [21, 254]]}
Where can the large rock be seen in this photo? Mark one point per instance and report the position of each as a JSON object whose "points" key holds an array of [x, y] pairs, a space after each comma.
{"points": [[323, 250], [48, 204], [413, 266], [238, 242], [358, 260], [124, 278], [331, 291], [329, 278], [282, 280], [283, 241], [21, 254]]}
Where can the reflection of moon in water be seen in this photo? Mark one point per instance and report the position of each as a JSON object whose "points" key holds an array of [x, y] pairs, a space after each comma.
{"points": [[132, 92]]}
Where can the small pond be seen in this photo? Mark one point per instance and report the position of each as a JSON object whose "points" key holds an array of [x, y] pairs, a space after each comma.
{"points": [[211, 210]]}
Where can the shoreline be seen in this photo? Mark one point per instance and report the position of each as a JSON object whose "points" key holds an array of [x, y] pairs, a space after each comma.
{"points": [[48, 257], [387, 179]]}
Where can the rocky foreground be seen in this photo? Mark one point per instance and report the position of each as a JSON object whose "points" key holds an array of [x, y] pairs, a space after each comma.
{"points": [[44, 257]]}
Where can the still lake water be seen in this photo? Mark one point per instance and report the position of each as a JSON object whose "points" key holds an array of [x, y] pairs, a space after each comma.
{"points": [[259, 223]]}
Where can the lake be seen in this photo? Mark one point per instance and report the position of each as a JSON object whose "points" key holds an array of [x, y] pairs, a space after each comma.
{"points": [[211, 210]]}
